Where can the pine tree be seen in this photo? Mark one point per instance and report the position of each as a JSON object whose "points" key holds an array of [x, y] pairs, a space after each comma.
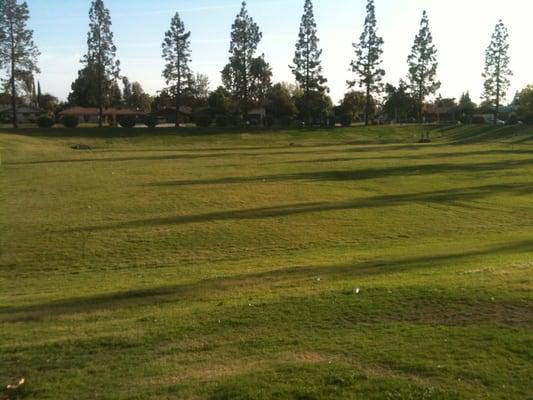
{"points": [[497, 71], [245, 75], [423, 65], [18, 52], [101, 53], [367, 64], [307, 68], [177, 54], [127, 95], [466, 105]]}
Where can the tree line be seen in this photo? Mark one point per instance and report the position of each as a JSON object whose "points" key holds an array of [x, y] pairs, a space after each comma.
{"points": [[247, 77]]}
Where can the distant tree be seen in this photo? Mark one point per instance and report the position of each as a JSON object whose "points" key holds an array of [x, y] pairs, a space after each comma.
{"points": [[316, 105], [140, 100], [115, 95], [48, 102], [222, 102], [133, 96], [101, 53], [307, 67], [127, 94], [177, 54], [524, 101], [367, 64], [247, 77], [445, 102], [497, 71], [399, 103], [423, 65], [162, 100], [280, 103], [200, 89], [84, 90], [354, 104], [466, 106], [18, 52]]}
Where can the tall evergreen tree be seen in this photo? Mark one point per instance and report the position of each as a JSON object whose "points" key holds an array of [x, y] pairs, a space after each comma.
{"points": [[127, 94], [246, 76], [177, 54], [307, 68], [497, 71], [18, 52], [466, 106], [367, 64], [423, 65], [101, 53]]}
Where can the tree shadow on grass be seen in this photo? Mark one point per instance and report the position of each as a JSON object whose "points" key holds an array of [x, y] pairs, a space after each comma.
{"points": [[429, 156], [167, 157], [450, 197], [358, 174], [219, 153], [211, 286]]}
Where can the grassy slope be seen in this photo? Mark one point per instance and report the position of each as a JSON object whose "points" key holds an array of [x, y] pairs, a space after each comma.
{"points": [[223, 266]]}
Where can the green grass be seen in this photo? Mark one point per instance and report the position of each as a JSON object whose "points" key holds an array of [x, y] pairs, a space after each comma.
{"points": [[200, 265]]}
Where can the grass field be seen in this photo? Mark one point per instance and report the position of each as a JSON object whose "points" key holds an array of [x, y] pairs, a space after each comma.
{"points": [[226, 266]]}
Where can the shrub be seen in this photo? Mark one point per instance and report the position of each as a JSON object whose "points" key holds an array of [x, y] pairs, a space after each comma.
{"points": [[221, 121], [345, 119], [528, 120], [203, 120], [70, 121], [237, 120], [45, 121], [269, 121], [465, 120], [286, 121], [478, 120], [512, 120], [150, 121], [127, 121]]}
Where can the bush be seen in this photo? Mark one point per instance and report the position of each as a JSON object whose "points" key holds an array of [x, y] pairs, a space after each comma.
{"points": [[45, 121], [528, 120], [237, 120], [150, 121], [478, 120], [269, 121], [70, 121], [286, 122], [221, 121], [512, 120], [203, 120], [345, 119], [127, 121], [465, 120]]}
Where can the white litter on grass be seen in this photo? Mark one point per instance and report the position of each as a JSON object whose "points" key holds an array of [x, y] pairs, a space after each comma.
{"points": [[17, 385], [356, 290]]}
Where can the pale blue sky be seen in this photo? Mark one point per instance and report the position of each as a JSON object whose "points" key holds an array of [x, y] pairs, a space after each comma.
{"points": [[461, 30]]}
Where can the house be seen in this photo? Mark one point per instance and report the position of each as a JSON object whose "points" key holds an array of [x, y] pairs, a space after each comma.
{"points": [[439, 113], [91, 114], [256, 116], [168, 115], [25, 113]]}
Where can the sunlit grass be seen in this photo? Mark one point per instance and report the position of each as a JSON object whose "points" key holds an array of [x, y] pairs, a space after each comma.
{"points": [[349, 263]]}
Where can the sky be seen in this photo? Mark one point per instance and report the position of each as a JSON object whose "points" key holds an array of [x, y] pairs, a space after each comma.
{"points": [[461, 31]]}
